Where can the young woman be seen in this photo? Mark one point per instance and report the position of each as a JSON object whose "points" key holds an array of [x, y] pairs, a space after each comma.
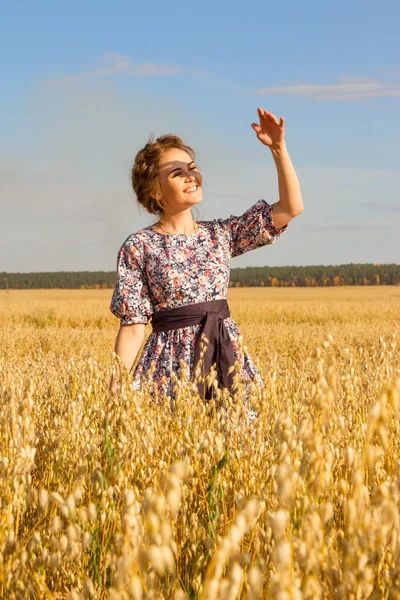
{"points": [[177, 270]]}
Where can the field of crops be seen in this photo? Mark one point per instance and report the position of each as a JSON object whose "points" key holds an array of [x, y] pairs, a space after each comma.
{"points": [[111, 496]]}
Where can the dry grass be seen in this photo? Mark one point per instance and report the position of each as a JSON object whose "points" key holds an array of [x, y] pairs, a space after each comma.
{"points": [[113, 497]]}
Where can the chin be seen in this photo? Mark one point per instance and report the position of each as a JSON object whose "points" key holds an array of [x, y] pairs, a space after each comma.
{"points": [[196, 198]]}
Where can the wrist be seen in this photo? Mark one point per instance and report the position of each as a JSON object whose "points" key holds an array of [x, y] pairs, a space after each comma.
{"points": [[278, 149]]}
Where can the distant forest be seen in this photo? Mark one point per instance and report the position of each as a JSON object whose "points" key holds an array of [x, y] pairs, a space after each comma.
{"points": [[311, 276]]}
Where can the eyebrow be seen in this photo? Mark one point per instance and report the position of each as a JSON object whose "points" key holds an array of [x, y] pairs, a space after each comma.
{"points": [[179, 168]]}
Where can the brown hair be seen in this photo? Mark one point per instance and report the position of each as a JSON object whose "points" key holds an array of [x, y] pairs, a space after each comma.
{"points": [[145, 170]]}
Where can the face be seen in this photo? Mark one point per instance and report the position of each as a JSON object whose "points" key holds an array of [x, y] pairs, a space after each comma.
{"points": [[180, 181]]}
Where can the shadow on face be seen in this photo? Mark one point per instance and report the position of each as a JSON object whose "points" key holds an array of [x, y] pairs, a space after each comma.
{"points": [[175, 168]]}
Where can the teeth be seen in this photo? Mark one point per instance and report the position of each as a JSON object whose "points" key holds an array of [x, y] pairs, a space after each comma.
{"points": [[192, 189]]}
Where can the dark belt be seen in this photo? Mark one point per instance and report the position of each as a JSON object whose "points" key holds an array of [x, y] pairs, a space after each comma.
{"points": [[211, 316]]}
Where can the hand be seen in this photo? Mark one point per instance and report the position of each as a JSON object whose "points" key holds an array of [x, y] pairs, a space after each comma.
{"points": [[114, 386], [269, 131]]}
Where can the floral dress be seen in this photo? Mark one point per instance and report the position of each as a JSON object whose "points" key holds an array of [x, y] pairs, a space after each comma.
{"points": [[157, 271]]}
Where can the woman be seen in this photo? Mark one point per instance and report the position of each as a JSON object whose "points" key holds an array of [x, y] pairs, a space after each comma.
{"points": [[177, 271]]}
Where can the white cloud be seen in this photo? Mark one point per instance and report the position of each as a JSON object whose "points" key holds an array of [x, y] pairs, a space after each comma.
{"points": [[117, 64], [348, 89]]}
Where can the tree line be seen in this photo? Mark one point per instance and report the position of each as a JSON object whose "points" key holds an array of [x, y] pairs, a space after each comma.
{"points": [[316, 275], [307, 276]]}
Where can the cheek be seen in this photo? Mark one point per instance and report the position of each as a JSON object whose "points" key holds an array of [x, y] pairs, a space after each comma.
{"points": [[169, 187], [176, 185]]}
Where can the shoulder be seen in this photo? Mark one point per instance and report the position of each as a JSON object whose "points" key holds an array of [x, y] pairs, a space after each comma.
{"points": [[261, 206], [133, 245], [207, 224], [210, 229], [137, 237]]}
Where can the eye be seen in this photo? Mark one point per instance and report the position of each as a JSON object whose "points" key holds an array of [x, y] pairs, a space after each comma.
{"points": [[176, 173]]}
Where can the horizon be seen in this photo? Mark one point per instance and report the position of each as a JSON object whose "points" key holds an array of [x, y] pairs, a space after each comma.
{"points": [[232, 268]]}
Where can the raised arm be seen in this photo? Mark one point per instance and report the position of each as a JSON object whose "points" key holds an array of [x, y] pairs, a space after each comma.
{"points": [[270, 132]]}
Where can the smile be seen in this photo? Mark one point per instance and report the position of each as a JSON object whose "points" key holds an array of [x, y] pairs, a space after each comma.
{"points": [[191, 189]]}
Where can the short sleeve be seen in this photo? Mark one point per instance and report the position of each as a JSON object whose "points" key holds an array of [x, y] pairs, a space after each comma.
{"points": [[253, 229], [131, 300]]}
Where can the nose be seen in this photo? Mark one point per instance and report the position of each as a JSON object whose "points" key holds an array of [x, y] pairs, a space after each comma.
{"points": [[193, 176]]}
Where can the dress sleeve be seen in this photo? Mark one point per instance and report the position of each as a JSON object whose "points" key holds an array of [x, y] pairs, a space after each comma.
{"points": [[131, 300], [253, 229]]}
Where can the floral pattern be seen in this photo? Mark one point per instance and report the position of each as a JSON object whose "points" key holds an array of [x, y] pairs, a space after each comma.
{"points": [[156, 271]]}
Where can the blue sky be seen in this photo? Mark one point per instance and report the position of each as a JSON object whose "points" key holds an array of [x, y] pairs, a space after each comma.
{"points": [[85, 84]]}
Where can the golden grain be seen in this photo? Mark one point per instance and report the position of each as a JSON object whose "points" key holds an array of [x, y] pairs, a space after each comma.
{"points": [[118, 497]]}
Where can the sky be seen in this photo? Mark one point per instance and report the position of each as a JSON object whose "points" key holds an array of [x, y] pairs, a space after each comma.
{"points": [[85, 83]]}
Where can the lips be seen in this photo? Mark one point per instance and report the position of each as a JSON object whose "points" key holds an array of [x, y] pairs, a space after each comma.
{"points": [[191, 189]]}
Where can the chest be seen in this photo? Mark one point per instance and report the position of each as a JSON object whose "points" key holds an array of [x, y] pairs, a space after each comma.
{"points": [[181, 264]]}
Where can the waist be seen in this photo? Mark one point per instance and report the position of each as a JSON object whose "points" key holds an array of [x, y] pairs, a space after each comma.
{"points": [[189, 315]]}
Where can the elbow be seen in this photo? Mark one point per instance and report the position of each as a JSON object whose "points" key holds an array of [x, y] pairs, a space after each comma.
{"points": [[283, 214], [297, 211], [291, 208], [132, 330]]}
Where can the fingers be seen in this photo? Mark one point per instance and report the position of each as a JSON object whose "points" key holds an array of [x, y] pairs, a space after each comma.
{"points": [[264, 114], [271, 117]]}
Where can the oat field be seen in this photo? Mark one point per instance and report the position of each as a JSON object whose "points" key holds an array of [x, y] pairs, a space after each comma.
{"points": [[111, 496]]}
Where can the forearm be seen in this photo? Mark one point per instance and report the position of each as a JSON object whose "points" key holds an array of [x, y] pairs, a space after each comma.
{"points": [[290, 202], [128, 343]]}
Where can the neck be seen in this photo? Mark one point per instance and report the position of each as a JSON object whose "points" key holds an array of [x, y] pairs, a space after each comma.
{"points": [[178, 223]]}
